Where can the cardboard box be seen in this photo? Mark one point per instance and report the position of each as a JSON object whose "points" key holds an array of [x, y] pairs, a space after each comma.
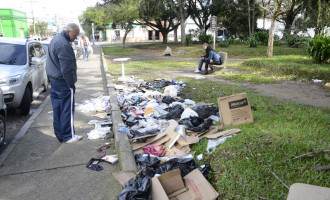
{"points": [[170, 185], [235, 110]]}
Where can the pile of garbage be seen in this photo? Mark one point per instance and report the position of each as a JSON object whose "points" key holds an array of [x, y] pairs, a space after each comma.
{"points": [[161, 126]]}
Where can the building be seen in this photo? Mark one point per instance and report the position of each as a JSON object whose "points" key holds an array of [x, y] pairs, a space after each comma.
{"points": [[13, 23]]}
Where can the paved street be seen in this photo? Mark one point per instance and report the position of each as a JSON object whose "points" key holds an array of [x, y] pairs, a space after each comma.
{"points": [[39, 167]]}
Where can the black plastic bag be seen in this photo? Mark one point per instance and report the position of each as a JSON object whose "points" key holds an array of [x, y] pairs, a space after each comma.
{"points": [[206, 111], [185, 164], [196, 124], [168, 99], [174, 112], [138, 188], [136, 133], [161, 84], [205, 170], [146, 160]]}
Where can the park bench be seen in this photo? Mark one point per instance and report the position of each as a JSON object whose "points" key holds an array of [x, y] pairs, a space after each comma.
{"points": [[222, 67]]}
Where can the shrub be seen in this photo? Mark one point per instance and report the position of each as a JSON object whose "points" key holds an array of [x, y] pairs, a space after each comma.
{"points": [[319, 49], [252, 42], [234, 41], [295, 41], [205, 38], [223, 43], [276, 42], [261, 37], [188, 39]]}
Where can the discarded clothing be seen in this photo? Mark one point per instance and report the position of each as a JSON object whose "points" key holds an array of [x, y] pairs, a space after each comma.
{"points": [[93, 164], [197, 124], [153, 150], [206, 111]]}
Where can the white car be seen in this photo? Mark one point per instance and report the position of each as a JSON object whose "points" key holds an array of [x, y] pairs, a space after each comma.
{"points": [[3, 115], [22, 72]]}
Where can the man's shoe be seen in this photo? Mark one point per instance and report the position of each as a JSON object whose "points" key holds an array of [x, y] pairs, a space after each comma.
{"points": [[76, 138], [197, 71], [205, 72]]}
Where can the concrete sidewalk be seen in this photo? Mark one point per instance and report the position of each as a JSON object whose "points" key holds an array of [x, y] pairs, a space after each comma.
{"points": [[39, 167]]}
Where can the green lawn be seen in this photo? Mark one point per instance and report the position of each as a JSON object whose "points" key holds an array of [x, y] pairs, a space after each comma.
{"points": [[281, 131], [246, 77], [120, 51], [285, 67]]}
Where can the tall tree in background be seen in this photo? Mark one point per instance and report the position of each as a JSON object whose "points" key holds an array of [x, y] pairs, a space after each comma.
{"points": [[41, 28], [275, 8], [200, 12], [291, 15], [158, 14], [123, 14], [181, 13]]}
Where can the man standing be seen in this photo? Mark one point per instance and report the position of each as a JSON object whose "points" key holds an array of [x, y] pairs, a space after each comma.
{"points": [[61, 69]]}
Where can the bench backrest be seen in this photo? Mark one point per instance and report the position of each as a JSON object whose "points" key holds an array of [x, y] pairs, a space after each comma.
{"points": [[223, 56]]}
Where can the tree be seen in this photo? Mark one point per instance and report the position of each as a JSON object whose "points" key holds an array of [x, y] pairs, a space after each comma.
{"points": [[200, 12], [291, 15], [124, 14], [41, 28], [158, 14], [181, 15], [275, 8]]}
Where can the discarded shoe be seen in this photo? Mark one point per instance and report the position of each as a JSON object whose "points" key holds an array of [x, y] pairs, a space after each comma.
{"points": [[76, 138]]}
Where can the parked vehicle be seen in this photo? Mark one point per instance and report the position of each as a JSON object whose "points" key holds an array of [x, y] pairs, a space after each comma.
{"points": [[22, 72], [3, 116]]}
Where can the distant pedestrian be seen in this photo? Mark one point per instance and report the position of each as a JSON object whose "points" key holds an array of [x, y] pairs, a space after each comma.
{"points": [[84, 44], [61, 68], [210, 57]]}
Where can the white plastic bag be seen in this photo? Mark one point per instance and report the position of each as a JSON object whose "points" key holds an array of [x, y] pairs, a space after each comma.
{"points": [[188, 112], [110, 158], [98, 132], [171, 91], [212, 144]]}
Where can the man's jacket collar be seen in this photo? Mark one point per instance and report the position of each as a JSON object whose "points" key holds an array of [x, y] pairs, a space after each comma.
{"points": [[65, 35]]}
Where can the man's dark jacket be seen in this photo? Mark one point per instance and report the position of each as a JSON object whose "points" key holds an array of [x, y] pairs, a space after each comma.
{"points": [[61, 61]]}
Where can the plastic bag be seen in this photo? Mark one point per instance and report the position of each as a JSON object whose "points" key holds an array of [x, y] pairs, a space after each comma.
{"points": [[187, 113], [205, 170], [206, 111], [174, 113], [138, 188], [171, 91], [196, 124], [110, 158], [168, 99], [146, 160], [186, 165], [212, 144], [98, 132]]}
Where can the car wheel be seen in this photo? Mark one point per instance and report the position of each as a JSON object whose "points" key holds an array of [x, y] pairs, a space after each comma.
{"points": [[2, 130], [45, 85], [24, 108]]}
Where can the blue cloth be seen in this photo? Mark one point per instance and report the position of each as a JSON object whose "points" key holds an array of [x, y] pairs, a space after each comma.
{"points": [[214, 56], [62, 98], [61, 61]]}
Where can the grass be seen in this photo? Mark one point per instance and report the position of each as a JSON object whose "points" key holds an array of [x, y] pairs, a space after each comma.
{"points": [[120, 51], [285, 67], [151, 66], [281, 131], [246, 77]]}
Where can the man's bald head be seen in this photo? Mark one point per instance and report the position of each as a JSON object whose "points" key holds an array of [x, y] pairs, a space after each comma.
{"points": [[73, 30]]}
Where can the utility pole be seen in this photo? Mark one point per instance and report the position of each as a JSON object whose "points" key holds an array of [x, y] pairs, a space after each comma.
{"points": [[34, 25]]}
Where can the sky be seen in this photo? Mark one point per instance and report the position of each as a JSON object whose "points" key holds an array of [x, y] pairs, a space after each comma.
{"points": [[46, 10]]}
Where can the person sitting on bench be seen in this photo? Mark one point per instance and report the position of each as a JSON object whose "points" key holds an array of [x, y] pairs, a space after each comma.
{"points": [[210, 57]]}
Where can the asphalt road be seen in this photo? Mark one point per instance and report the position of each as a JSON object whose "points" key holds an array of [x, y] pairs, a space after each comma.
{"points": [[15, 122]]}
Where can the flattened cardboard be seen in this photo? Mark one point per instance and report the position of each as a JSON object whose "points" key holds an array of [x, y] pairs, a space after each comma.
{"points": [[300, 191], [124, 176], [235, 110], [213, 129], [224, 133], [192, 139], [174, 152]]}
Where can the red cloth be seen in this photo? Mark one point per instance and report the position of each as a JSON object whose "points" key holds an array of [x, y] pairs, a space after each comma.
{"points": [[153, 150]]}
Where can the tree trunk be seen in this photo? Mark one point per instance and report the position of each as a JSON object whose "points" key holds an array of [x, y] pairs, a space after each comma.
{"points": [[249, 17], [176, 35], [264, 20], [164, 33], [290, 16], [271, 37], [124, 38], [253, 15], [182, 22]]}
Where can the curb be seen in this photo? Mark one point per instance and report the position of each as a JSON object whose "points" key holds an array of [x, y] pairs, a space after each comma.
{"points": [[4, 155], [122, 144]]}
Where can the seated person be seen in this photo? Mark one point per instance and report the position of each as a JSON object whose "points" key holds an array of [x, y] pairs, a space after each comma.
{"points": [[210, 57]]}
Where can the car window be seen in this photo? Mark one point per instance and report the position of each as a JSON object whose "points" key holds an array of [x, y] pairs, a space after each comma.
{"points": [[38, 50], [32, 52], [12, 54]]}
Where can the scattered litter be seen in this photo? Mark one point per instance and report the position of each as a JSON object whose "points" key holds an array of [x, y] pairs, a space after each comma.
{"points": [[198, 78], [98, 133], [327, 85], [153, 150], [317, 80], [200, 157], [93, 164], [110, 158], [171, 91], [215, 118], [99, 104], [187, 113], [212, 144]]}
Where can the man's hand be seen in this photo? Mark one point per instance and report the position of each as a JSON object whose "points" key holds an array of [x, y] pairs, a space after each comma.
{"points": [[211, 61]]}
